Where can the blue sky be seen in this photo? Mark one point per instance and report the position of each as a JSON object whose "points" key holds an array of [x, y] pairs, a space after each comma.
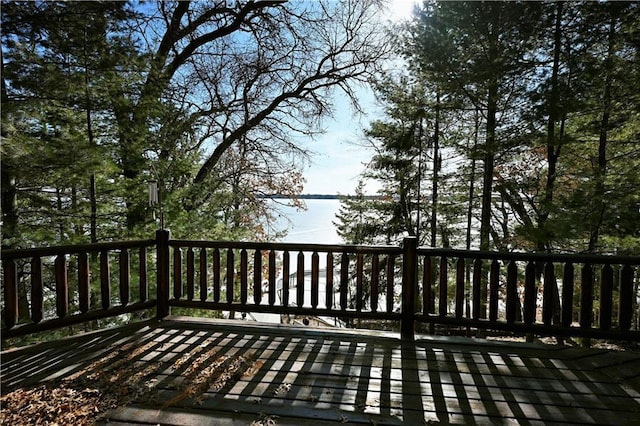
{"points": [[339, 157]]}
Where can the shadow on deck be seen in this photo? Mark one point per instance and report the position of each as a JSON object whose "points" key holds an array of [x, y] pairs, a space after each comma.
{"points": [[196, 372]]}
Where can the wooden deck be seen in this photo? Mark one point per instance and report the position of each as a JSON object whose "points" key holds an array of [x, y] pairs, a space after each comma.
{"points": [[196, 372]]}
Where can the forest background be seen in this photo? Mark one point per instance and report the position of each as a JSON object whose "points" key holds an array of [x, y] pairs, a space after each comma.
{"points": [[506, 126]]}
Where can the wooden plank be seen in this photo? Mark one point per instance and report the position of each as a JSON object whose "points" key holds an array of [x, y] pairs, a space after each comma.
{"points": [[344, 280], [215, 264], [428, 295], [586, 296], [626, 298], [567, 294], [549, 295], [606, 297], [390, 282], [83, 285], [230, 276], [359, 281], [375, 279], [10, 271], [62, 286], [257, 277], [124, 266], [244, 276], [105, 280], [285, 278], [315, 277], [203, 275], [191, 274], [143, 294], [363, 377], [494, 285], [37, 297], [140, 414], [442, 287], [273, 274], [177, 273], [530, 293], [329, 291], [460, 271], [479, 311], [300, 280], [512, 292]]}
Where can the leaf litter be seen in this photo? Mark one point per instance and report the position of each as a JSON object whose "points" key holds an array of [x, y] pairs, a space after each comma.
{"points": [[120, 378]]}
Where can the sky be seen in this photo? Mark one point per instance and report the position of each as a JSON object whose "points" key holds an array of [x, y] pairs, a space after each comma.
{"points": [[338, 158]]}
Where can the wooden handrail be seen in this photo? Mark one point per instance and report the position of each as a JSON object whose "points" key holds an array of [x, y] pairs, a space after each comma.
{"points": [[71, 286], [74, 249], [564, 294]]}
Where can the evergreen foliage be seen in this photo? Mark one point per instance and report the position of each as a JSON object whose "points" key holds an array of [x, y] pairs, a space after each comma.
{"points": [[205, 99], [536, 110]]}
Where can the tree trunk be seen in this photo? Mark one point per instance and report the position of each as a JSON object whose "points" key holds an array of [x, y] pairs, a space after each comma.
{"points": [[9, 206], [601, 170], [488, 163], [8, 190], [436, 169]]}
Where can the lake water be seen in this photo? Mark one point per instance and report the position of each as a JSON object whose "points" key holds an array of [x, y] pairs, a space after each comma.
{"points": [[313, 225]]}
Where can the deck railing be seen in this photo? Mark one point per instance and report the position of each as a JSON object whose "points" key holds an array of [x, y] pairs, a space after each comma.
{"points": [[33, 278], [543, 294]]}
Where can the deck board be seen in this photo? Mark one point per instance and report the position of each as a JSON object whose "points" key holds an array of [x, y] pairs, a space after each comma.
{"points": [[248, 372]]}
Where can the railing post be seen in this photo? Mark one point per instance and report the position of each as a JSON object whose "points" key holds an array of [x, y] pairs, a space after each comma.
{"points": [[409, 284], [163, 273]]}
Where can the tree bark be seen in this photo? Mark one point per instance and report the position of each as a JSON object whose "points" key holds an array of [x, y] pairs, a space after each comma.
{"points": [[601, 170]]}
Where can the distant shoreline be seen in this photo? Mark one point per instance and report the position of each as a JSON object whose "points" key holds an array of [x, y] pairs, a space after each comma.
{"points": [[321, 196]]}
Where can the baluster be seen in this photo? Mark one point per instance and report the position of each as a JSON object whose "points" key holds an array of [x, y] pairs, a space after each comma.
{"points": [[567, 294], [359, 281], [530, 293], [10, 292], [83, 284], [257, 277], [244, 276], [586, 296], [177, 273], [62, 286], [272, 277], [460, 287], [329, 290], [428, 295], [125, 276], [479, 310], [300, 280], [548, 297], [512, 292], [203, 275], [105, 280], [442, 287], [375, 277], [315, 277], [144, 288], [37, 299], [230, 276], [216, 274], [344, 280], [626, 298], [494, 284], [191, 274], [285, 278], [606, 297], [390, 283]]}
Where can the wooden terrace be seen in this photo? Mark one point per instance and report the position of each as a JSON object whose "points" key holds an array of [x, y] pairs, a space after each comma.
{"points": [[197, 371]]}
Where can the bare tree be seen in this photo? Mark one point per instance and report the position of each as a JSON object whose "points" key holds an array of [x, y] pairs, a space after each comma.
{"points": [[260, 72]]}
